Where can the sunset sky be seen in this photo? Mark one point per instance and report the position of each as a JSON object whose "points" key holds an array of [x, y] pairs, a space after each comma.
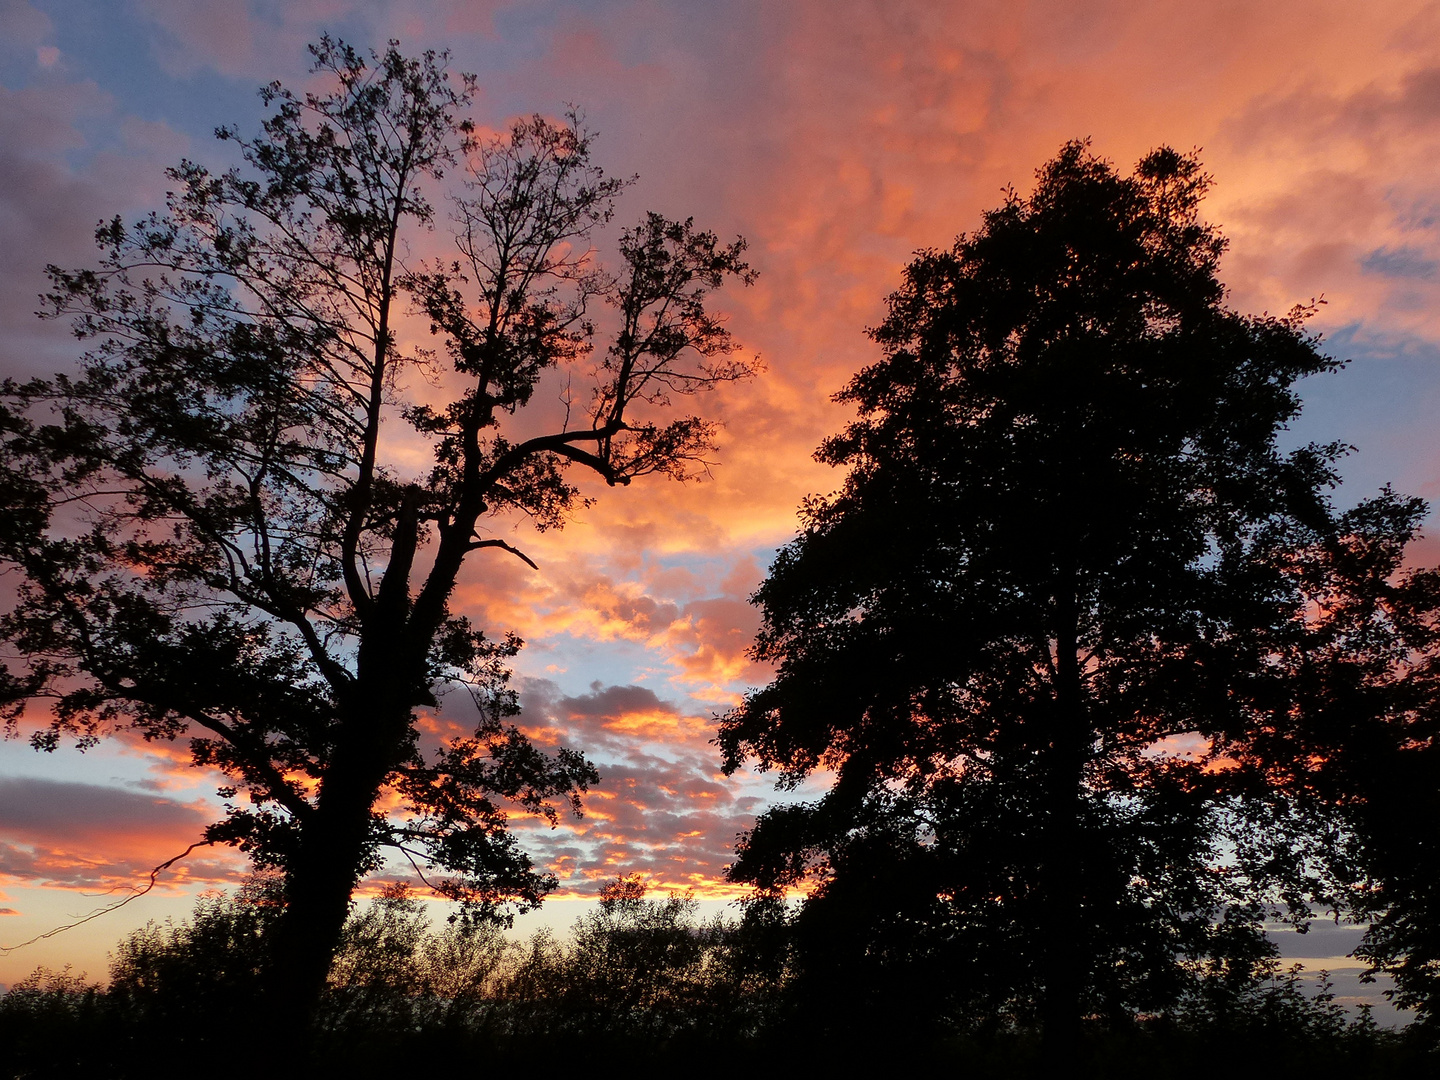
{"points": [[837, 137]]}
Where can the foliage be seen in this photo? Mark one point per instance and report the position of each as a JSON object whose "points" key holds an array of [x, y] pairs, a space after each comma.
{"points": [[1400, 889], [47, 1022], [632, 968], [208, 967], [402, 989], [211, 540], [647, 975], [1068, 549]]}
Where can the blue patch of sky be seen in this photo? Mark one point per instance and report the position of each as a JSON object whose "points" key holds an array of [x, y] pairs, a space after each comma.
{"points": [[708, 570], [1383, 403], [106, 764], [121, 52], [575, 663], [106, 43]]}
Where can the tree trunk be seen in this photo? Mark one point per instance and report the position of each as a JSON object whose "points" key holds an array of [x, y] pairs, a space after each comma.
{"points": [[1062, 959], [321, 878]]}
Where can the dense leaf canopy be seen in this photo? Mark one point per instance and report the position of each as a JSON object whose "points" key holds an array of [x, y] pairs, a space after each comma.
{"points": [[1051, 634]]}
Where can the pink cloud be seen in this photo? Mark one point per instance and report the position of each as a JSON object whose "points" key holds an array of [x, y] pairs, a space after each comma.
{"points": [[661, 807], [91, 837]]}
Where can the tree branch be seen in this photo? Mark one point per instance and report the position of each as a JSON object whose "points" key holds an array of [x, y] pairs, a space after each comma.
{"points": [[138, 891], [476, 545]]}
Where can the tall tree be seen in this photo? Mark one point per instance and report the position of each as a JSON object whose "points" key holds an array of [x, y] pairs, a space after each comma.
{"points": [[1067, 548], [211, 538]]}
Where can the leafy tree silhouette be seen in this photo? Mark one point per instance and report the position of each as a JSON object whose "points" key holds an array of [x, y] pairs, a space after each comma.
{"points": [[1067, 549], [1345, 740], [211, 537], [1400, 886]]}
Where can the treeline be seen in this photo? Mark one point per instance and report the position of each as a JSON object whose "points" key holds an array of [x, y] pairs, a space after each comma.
{"points": [[637, 981]]}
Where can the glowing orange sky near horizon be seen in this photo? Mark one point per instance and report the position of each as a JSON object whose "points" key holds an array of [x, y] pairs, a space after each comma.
{"points": [[838, 137]]}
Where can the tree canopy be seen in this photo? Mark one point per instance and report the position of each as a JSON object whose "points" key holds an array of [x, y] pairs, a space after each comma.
{"points": [[1057, 634], [217, 531]]}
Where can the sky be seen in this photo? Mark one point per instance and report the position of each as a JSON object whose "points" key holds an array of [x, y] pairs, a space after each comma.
{"points": [[838, 137]]}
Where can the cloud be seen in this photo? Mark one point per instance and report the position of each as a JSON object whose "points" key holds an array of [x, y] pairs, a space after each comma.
{"points": [[612, 719], [250, 37], [662, 807], [1401, 262], [49, 207], [1332, 191], [838, 136], [688, 610], [88, 836], [24, 26], [669, 820], [236, 37]]}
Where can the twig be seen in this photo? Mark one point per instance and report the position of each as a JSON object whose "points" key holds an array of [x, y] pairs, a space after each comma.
{"points": [[139, 892]]}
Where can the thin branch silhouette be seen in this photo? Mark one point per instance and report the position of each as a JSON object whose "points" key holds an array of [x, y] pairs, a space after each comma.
{"points": [[136, 894]]}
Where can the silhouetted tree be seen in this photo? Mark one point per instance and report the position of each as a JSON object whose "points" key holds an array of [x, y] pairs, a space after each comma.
{"points": [[1346, 736], [1067, 549], [216, 522], [203, 975], [648, 975], [1399, 856]]}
